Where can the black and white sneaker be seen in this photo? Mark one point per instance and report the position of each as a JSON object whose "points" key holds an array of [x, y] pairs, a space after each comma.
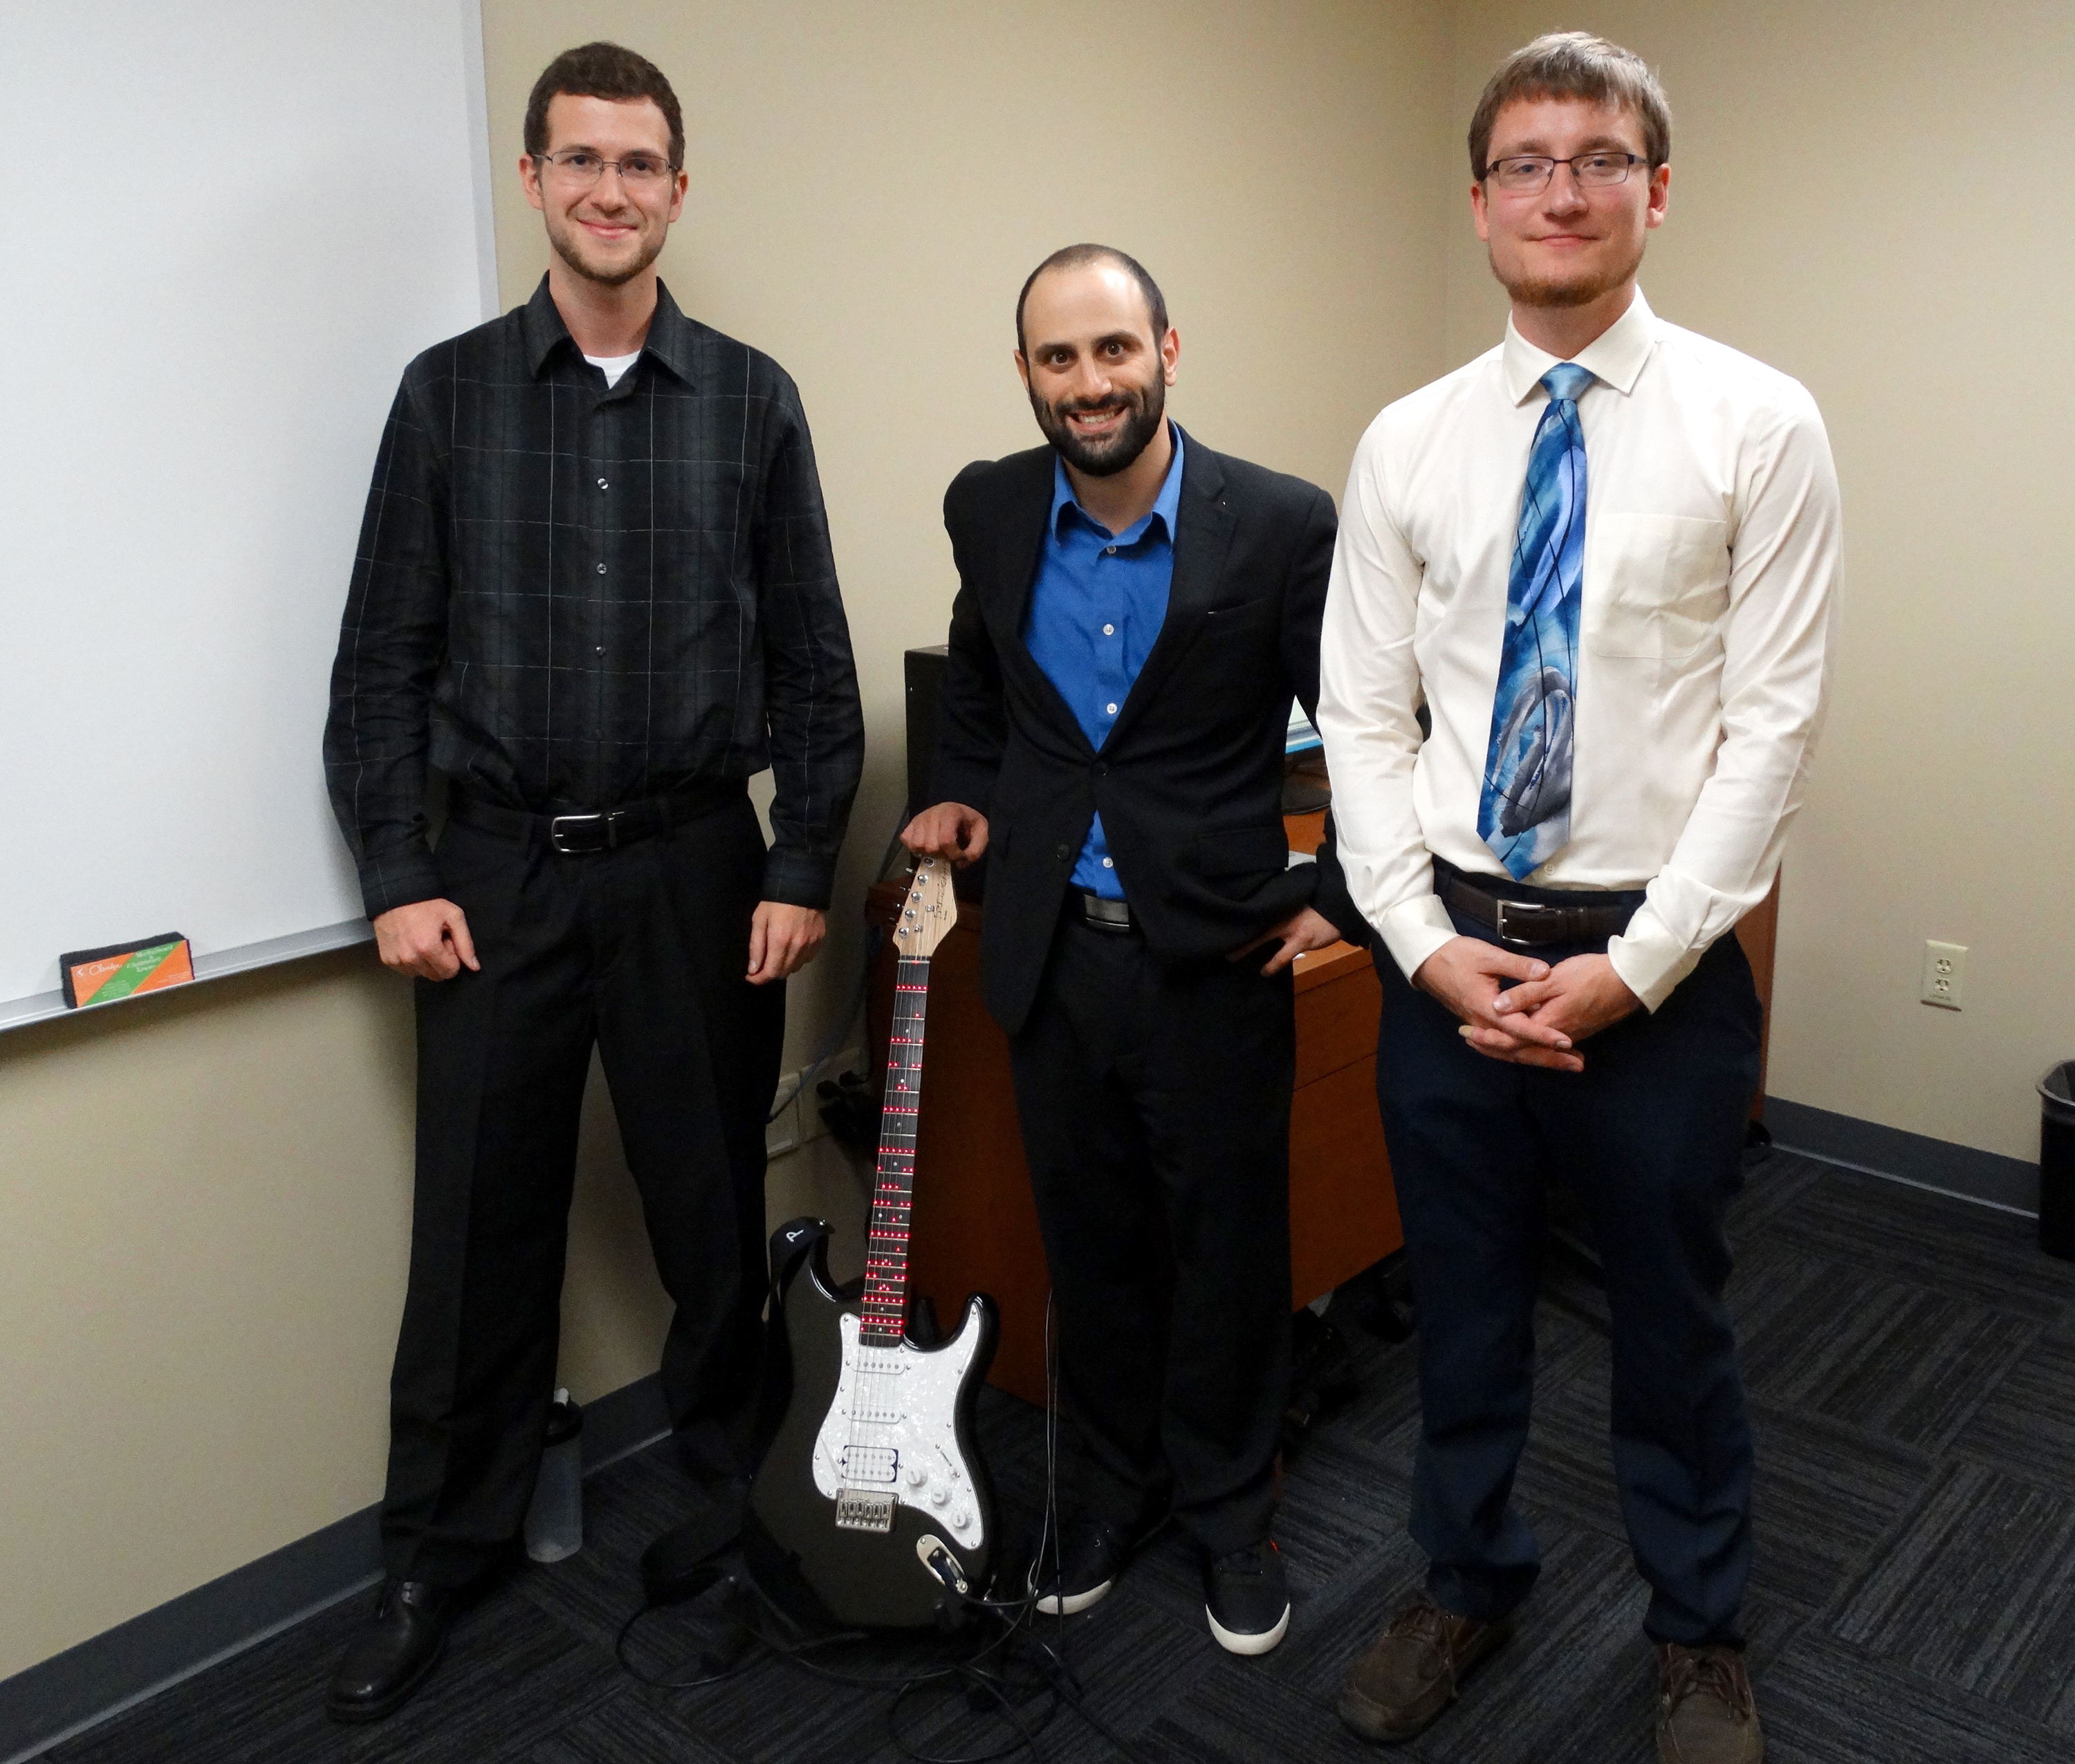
{"points": [[1247, 1598], [1092, 1553]]}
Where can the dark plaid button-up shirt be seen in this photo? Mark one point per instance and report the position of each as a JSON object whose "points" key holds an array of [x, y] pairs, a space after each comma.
{"points": [[568, 597]]}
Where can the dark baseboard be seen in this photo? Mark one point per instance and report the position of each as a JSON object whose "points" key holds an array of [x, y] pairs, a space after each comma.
{"points": [[72, 1690], [1987, 1177]]}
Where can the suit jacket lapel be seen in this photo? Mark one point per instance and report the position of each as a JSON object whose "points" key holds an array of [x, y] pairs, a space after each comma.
{"points": [[1020, 541], [1203, 529]]}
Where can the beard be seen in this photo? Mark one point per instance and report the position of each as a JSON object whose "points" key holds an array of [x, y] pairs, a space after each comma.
{"points": [[1144, 409], [570, 247], [1580, 290]]}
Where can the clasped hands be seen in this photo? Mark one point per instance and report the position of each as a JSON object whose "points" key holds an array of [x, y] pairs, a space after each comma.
{"points": [[1515, 1008], [429, 940], [954, 831]]}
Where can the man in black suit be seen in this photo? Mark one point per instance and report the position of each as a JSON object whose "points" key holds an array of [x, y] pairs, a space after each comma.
{"points": [[1134, 614]]}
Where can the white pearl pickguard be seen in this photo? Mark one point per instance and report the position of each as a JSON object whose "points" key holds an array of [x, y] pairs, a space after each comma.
{"points": [[892, 1429]]}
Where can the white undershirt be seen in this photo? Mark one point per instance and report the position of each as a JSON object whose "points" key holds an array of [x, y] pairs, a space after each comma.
{"points": [[614, 365]]}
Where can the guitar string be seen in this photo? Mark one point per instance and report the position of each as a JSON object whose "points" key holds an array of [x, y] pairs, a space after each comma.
{"points": [[869, 1386], [896, 1193], [874, 1384]]}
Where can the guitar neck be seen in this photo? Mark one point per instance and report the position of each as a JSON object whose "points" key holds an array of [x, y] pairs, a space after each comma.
{"points": [[885, 1307]]}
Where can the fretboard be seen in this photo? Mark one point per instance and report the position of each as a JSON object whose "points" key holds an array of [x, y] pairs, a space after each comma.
{"points": [[886, 1250]]}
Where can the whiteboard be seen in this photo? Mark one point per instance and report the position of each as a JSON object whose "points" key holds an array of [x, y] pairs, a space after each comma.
{"points": [[232, 224]]}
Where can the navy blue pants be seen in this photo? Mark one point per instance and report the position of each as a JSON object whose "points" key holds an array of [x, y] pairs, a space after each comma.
{"points": [[1649, 1136]]}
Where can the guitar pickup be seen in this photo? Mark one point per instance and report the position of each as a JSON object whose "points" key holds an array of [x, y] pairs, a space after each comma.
{"points": [[857, 1511], [870, 1463]]}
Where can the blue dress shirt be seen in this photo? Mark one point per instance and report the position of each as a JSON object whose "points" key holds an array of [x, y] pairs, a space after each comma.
{"points": [[1096, 611]]}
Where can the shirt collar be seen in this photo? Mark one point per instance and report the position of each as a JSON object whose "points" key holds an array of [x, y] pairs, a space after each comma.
{"points": [[1615, 356], [670, 336], [1165, 506]]}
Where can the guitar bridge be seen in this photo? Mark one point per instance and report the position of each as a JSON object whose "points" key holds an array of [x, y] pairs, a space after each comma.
{"points": [[857, 1511]]}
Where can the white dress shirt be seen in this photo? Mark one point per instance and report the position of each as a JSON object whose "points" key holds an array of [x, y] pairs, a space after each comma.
{"points": [[1712, 558]]}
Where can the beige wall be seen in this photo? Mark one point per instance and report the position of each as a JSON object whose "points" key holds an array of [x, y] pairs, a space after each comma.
{"points": [[1856, 198], [204, 1199]]}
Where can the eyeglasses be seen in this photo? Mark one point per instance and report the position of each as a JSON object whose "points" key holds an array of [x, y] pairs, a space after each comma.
{"points": [[1525, 174], [641, 173]]}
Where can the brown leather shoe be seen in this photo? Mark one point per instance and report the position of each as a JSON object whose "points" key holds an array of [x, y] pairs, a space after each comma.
{"points": [[1705, 1711], [1411, 1671]]}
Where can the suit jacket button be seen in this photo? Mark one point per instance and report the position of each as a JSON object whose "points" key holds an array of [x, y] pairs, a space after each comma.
{"points": [[1102, 771], [1063, 852]]}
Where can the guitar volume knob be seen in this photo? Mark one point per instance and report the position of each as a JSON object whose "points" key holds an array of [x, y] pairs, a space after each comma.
{"points": [[917, 1476], [939, 1497]]}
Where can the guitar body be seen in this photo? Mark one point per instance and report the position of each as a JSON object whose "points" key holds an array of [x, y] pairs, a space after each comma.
{"points": [[872, 1489], [876, 1471]]}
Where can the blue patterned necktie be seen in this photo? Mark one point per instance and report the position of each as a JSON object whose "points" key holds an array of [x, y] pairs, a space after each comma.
{"points": [[1524, 813]]}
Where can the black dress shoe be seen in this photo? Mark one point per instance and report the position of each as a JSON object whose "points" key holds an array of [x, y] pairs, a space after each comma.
{"points": [[393, 1653]]}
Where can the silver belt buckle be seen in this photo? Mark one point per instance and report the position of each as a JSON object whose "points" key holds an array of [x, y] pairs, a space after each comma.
{"points": [[556, 835], [1504, 907], [1105, 915]]}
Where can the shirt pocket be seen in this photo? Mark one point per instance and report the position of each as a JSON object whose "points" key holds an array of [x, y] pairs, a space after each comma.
{"points": [[1658, 586]]}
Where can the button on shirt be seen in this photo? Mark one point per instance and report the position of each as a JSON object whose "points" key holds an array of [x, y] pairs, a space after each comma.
{"points": [[577, 589], [1712, 546], [1096, 611]]}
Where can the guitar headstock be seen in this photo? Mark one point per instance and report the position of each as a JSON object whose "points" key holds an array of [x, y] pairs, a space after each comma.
{"points": [[929, 913]]}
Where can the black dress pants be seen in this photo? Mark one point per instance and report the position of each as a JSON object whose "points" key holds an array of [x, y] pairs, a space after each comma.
{"points": [[1649, 1136], [641, 953], [1155, 1109]]}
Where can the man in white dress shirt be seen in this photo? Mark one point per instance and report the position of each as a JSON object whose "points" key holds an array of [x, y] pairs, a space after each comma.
{"points": [[1604, 555]]}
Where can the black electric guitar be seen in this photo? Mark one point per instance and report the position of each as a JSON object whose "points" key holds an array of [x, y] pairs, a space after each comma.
{"points": [[873, 1484]]}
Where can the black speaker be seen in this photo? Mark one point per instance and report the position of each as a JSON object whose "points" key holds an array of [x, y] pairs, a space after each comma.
{"points": [[924, 671]]}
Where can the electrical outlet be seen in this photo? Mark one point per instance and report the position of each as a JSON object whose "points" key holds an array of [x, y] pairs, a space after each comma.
{"points": [[1945, 968]]}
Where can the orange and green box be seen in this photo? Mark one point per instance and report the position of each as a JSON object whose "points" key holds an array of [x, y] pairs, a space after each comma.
{"points": [[121, 970]]}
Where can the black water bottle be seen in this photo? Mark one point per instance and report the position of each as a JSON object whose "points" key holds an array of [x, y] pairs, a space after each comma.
{"points": [[2056, 1161]]}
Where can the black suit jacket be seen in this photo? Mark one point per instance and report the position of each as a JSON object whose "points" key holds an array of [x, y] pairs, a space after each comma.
{"points": [[1190, 780]]}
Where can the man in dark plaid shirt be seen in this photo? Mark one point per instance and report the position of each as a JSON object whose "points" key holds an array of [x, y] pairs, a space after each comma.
{"points": [[595, 591]]}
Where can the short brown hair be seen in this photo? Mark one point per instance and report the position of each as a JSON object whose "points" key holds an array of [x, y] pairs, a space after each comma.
{"points": [[1574, 65], [603, 70]]}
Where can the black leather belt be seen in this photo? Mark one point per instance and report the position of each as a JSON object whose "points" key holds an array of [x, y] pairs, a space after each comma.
{"points": [[607, 830], [1526, 922], [1103, 915]]}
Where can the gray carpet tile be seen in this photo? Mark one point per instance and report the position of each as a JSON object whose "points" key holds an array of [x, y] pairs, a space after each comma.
{"points": [[1825, 1497], [1912, 1364], [1885, 1355], [1977, 1588], [1944, 1245], [512, 1676], [628, 1726], [1825, 1702], [2026, 1422]]}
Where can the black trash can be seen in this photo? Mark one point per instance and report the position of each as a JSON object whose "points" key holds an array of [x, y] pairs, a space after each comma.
{"points": [[2056, 1161]]}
